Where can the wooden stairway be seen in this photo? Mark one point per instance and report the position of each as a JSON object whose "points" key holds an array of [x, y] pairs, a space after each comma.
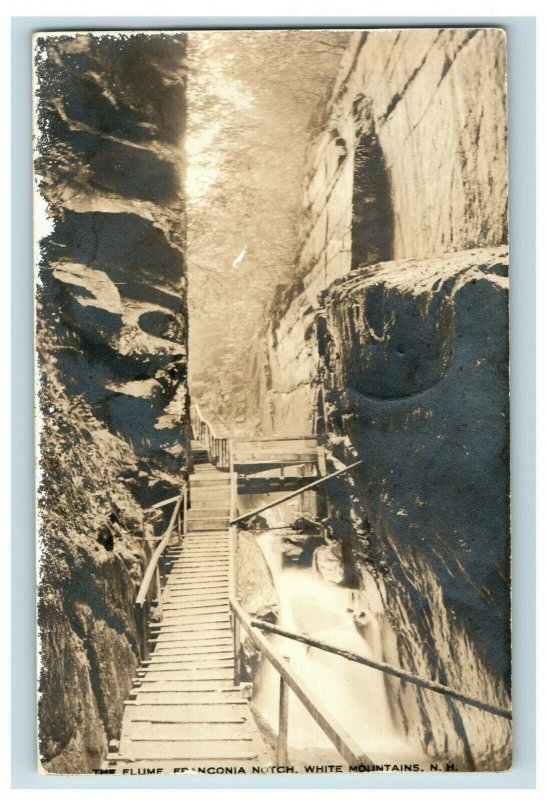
{"points": [[185, 710]]}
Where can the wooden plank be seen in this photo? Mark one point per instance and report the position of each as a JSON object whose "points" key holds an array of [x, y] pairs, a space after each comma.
{"points": [[165, 502], [272, 485], [250, 514], [202, 636], [190, 732], [161, 681], [205, 662], [221, 713], [197, 751], [237, 440], [193, 624]]}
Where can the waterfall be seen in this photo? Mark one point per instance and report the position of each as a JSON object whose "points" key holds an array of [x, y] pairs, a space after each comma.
{"points": [[354, 694]]}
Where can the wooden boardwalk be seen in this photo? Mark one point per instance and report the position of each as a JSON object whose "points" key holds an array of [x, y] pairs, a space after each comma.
{"points": [[186, 710]]}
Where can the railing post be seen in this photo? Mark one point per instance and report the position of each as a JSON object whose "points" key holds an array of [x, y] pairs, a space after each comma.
{"points": [[142, 628], [283, 732], [158, 590], [237, 646]]}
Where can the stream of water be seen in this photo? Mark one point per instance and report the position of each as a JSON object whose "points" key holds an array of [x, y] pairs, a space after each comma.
{"points": [[356, 695]]}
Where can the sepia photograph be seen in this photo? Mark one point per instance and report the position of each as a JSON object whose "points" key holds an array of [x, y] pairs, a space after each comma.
{"points": [[272, 401]]}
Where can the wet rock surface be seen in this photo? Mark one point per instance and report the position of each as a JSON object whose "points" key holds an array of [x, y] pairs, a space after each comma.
{"points": [[91, 562], [411, 163], [256, 593], [329, 563]]}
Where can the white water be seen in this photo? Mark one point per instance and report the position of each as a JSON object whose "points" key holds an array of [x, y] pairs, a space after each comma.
{"points": [[353, 693]]}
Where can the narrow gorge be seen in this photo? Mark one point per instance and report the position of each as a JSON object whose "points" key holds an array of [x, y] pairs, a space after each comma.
{"points": [[285, 248]]}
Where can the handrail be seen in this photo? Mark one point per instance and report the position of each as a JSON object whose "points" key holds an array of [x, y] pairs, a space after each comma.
{"points": [[204, 432], [205, 421], [341, 739], [152, 564], [382, 666], [290, 496]]}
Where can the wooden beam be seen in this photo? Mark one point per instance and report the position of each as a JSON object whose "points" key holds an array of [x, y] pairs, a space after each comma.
{"points": [[264, 485], [340, 738], [164, 502], [240, 439], [249, 467], [250, 514], [424, 683]]}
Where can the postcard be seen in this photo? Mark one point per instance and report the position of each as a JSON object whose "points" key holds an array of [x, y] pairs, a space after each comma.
{"points": [[272, 401]]}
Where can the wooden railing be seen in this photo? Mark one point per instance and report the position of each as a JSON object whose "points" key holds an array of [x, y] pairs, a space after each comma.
{"points": [[204, 432], [349, 749], [151, 587], [340, 738], [288, 678]]}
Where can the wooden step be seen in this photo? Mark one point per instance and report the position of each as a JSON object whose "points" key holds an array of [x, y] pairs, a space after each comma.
{"points": [[208, 501], [195, 577], [202, 567], [188, 751], [167, 651], [188, 687], [198, 579], [190, 560], [176, 731], [195, 636], [200, 544], [212, 699], [211, 511], [187, 671], [198, 595], [223, 713], [209, 482], [209, 612], [153, 695], [199, 592], [217, 623], [206, 661], [192, 630], [221, 677]]}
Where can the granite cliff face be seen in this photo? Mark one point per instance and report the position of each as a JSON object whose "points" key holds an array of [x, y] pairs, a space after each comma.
{"points": [[411, 163], [112, 362], [112, 116], [415, 375], [392, 344]]}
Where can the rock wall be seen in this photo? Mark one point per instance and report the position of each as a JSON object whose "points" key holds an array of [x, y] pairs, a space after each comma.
{"points": [[416, 378], [111, 111], [112, 362], [392, 343], [410, 163]]}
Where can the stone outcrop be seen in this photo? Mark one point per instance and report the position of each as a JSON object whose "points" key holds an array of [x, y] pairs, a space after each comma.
{"points": [[112, 359]]}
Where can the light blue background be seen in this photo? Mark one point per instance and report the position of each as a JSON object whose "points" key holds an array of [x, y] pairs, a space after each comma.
{"points": [[521, 106]]}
